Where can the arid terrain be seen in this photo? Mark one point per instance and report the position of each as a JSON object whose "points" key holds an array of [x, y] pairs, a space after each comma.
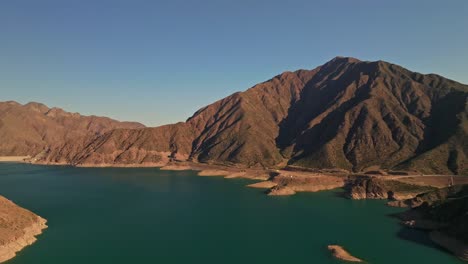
{"points": [[31, 129], [18, 228], [347, 114], [340, 253], [375, 129]]}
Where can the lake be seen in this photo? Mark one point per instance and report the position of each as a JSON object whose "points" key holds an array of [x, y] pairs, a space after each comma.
{"points": [[145, 215]]}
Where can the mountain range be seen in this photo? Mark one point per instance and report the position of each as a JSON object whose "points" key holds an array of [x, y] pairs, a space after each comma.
{"points": [[348, 114], [33, 128]]}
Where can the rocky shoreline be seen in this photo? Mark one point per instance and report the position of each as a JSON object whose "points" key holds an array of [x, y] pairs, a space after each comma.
{"points": [[402, 189], [444, 214], [18, 228]]}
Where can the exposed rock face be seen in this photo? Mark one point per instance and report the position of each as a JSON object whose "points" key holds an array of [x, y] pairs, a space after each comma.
{"points": [[28, 129], [430, 198], [382, 188], [346, 114], [18, 228]]}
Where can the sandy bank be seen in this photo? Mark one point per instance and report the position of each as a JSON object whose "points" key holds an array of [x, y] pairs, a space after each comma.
{"points": [[208, 170], [437, 181], [14, 158], [281, 191], [291, 182], [231, 173], [340, 253], [280, 182], [114, 165], [176, 168], [262, 185], [214, 172], [18, 228]]}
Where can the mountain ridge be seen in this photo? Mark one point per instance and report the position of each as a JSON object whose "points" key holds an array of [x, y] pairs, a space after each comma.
{"points": [[348, 114], [33, 127]]}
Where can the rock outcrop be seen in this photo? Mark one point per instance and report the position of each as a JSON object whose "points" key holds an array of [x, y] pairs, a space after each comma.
{"points": [[18, 228], [431, 197], [365, 187]]}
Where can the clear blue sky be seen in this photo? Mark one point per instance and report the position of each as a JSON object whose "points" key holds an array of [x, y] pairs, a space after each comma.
{"points": [[158, 61]]}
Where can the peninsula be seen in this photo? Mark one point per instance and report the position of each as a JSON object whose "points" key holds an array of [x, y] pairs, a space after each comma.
{"points": [[18, 228]]}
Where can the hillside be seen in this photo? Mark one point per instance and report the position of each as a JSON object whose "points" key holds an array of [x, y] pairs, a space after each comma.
{"points": [[31, 128], [347, 113]]}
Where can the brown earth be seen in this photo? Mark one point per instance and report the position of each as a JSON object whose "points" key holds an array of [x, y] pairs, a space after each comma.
{"points": [[340, 253], [278, 182], [263, 185], [27, 130], [346, 114], [18, 228], [14, 158], [290, 182], [218, 170], [434, 181]]}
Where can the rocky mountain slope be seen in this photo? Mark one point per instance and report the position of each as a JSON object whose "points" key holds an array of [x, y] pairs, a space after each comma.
{"points": [[348, 114], [29, 129]]}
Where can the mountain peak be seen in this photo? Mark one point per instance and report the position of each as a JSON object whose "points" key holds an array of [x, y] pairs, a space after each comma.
{"points": [[346, 114], [342, 59], [38, 107]]}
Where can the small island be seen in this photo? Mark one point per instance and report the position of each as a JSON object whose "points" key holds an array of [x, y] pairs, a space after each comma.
{"points": [[340, 253], [18, 228]]}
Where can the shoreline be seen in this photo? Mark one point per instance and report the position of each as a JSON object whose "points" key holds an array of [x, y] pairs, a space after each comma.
{"points": [[21, 159], [288, 180], [276, 182], [21, 228], [340, 253]]}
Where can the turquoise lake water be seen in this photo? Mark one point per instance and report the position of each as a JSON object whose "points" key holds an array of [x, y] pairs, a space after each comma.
{"points": [[144, 215]]}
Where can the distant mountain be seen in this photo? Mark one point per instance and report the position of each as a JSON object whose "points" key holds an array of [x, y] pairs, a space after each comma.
{"points": [[347, 113], [32, 128]]}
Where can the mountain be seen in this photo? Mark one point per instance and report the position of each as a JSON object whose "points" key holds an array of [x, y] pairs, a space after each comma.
{"points": [[31, 128], [349, 114]]}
